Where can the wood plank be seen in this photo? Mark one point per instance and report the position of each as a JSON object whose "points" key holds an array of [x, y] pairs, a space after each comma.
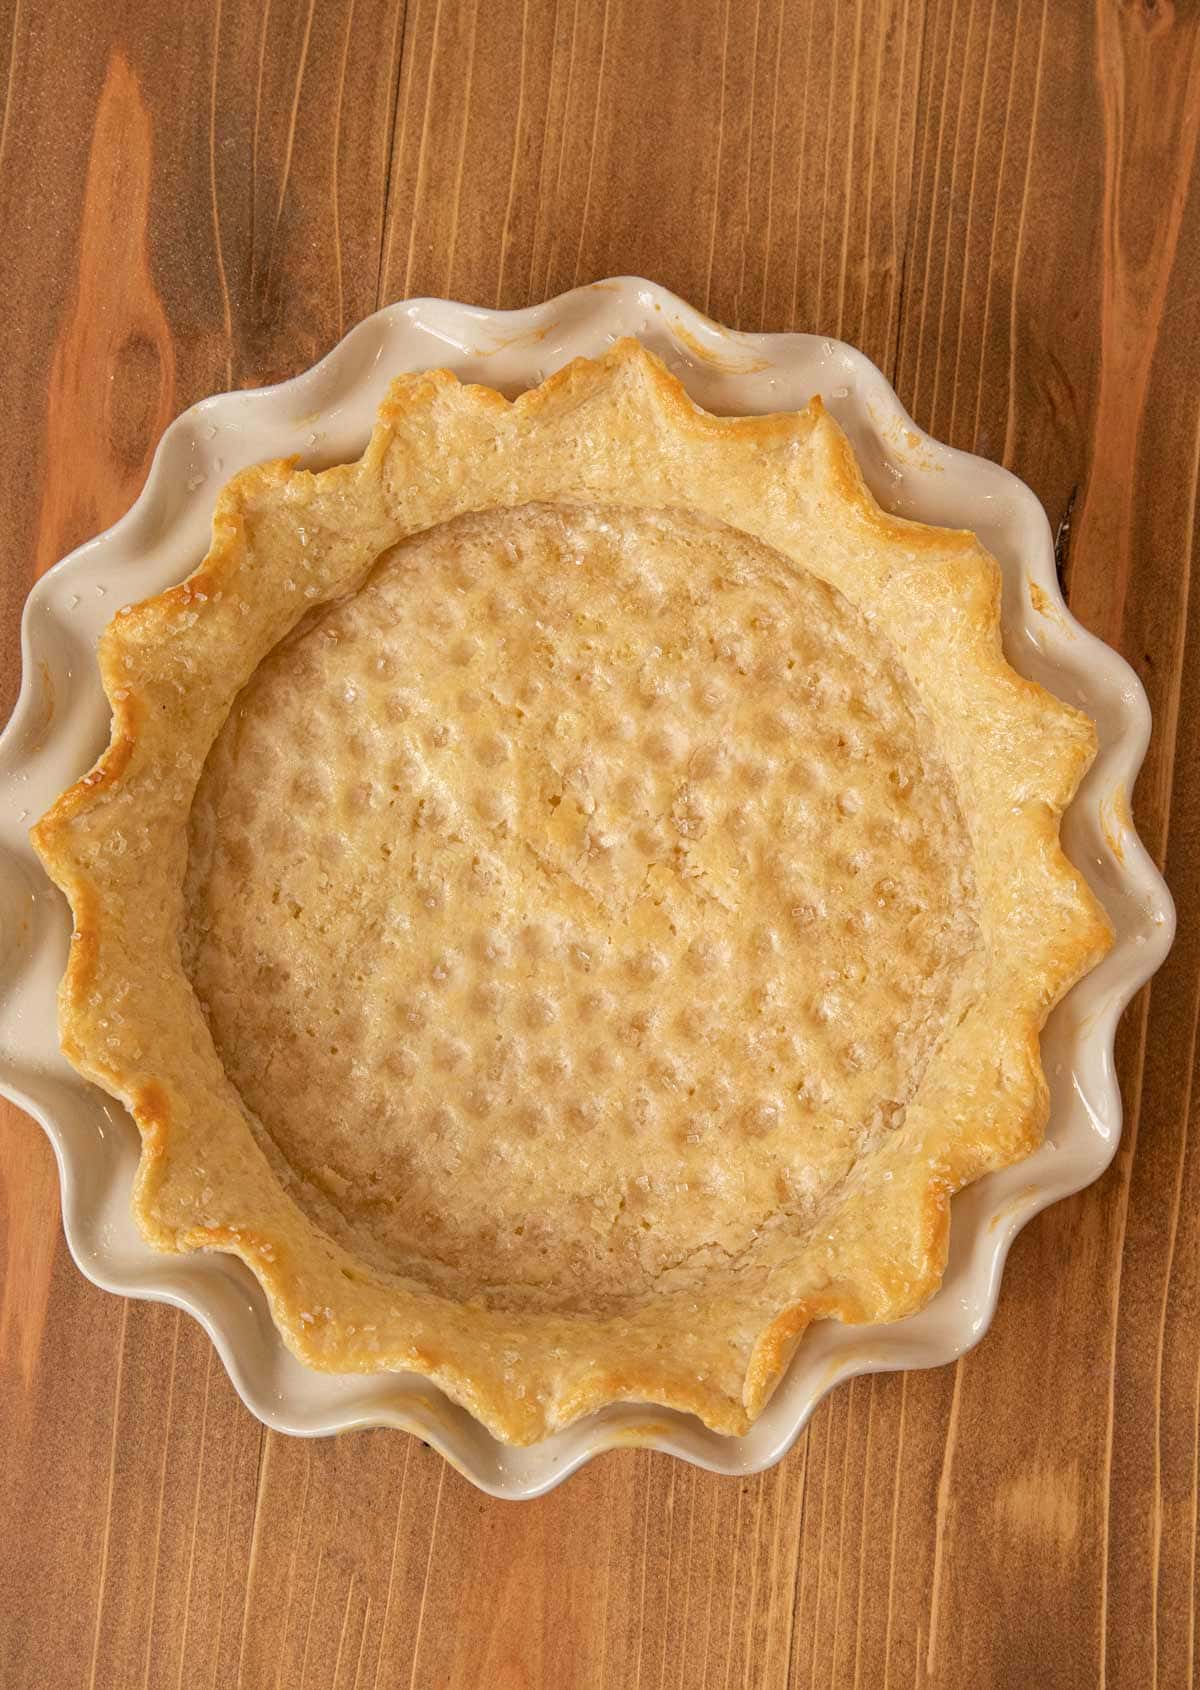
{"points": [[997, 200]]}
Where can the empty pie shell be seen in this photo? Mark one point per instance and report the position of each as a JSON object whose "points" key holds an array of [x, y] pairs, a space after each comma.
{"points": [[571, 895]]}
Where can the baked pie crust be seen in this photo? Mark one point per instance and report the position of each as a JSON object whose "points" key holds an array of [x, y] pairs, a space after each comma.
{"points": [[571, 895]]}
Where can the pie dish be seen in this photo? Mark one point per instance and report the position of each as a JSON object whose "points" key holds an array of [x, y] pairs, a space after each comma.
{"points": [[571, 895], [324, 416]]}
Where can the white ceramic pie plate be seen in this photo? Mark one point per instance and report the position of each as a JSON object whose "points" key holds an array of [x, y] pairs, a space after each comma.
{"points": [[61, 721]]}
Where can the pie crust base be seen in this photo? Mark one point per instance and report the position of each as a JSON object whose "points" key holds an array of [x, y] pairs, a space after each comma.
{"points": [[571, 895]]}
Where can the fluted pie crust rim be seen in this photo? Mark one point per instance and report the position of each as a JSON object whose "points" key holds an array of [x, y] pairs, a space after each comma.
{"points": [[171, 667]]}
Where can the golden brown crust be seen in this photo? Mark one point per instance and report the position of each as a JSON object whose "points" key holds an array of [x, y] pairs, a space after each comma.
{"points": [[620, 430]]}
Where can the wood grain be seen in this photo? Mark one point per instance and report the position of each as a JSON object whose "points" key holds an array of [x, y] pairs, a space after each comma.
{"points": [[999, 201]]}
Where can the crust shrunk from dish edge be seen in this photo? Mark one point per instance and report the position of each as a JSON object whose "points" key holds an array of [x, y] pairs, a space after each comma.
{"points": [[781, 477]]}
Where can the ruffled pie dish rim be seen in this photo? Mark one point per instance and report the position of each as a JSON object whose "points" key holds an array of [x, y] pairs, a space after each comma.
{"points": [[734, 374]]}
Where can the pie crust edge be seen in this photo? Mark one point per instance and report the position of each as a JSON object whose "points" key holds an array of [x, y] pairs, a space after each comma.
{"points": [[311, 1285]]}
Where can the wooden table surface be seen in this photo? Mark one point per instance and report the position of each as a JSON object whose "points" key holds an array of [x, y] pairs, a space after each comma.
{"points": [[998, 201]]}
